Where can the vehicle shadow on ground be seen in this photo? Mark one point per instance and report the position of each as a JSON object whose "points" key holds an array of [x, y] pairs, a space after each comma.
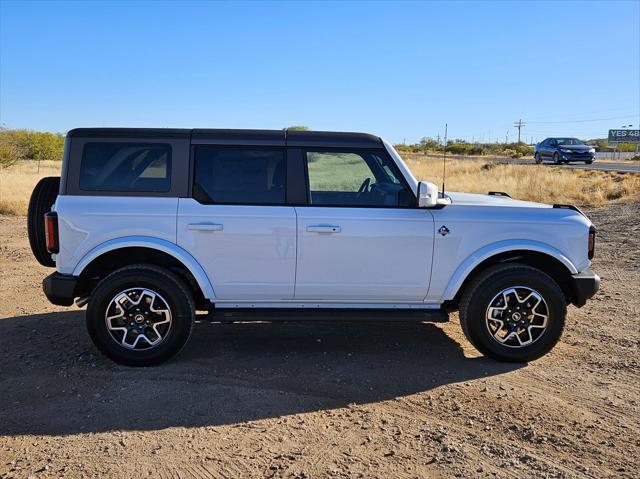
{"points": [[53, 380]]}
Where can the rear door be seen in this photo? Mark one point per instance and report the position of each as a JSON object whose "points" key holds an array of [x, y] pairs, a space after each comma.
{"points": [[360, 237], [237, 224]]}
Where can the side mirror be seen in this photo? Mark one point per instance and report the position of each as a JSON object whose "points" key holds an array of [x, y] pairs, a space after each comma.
{"points": [[427, 194]]}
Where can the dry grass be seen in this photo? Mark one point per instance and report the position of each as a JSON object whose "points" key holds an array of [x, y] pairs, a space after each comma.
{"points": [[17, 182], [526, 182], [530, 182]]}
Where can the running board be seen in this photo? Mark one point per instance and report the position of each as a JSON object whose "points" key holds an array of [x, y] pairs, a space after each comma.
{"points": [[326, 314]]}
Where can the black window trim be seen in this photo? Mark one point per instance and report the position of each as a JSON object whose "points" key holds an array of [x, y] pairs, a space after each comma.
{"points": [[129, 192], [70, 185], [192, 172], [396, 171]]}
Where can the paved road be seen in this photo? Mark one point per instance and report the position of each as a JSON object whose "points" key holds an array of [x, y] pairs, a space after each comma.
{"points": [[626, 167], [621, 167]]}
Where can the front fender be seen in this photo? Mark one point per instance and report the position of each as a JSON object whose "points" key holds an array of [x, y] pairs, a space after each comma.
{"points": [[493, 249], [171, 249]]}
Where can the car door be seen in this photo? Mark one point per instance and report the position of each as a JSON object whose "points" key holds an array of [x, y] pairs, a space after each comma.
{"points": [[236, 223], [542, 149], [550, 149], [360, 237]]}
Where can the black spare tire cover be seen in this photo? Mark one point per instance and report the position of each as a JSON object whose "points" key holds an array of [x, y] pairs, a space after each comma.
{"points": [[43, 197]]}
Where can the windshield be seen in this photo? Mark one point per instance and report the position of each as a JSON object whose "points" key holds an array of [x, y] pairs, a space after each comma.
{"points": [[569, 141]]}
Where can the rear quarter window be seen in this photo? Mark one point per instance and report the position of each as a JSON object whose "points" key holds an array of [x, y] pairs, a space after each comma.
{"points": [[125, 167]]}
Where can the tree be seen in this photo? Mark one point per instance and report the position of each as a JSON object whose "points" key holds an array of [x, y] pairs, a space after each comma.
{"points": [[16, 145], [10, 152]]}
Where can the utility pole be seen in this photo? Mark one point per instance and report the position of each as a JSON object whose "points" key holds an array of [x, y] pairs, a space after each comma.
{"points": [[519, 124]]}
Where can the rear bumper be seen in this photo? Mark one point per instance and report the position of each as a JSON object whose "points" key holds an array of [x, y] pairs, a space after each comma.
{"points": [[584, 286], [60, 288]]}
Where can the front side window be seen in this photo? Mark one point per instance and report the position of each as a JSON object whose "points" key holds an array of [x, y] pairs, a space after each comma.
{"points": [[125, 167], [239, 175], [354, 178]]}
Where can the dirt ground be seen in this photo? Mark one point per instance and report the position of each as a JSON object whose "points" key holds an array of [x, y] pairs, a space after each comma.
{"points": [[323, 400]]}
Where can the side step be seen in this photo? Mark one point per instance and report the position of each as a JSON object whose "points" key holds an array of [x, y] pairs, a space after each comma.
{"points": [[326, 314]]}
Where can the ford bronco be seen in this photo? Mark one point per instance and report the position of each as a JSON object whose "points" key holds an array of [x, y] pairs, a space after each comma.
{"points": [[148, 226]]}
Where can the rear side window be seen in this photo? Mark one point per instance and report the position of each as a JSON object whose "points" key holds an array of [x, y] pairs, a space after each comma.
{"points": [[239, 175], [126, 167]]}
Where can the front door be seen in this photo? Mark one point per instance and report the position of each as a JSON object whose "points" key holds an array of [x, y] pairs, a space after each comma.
{"points": [[237, 226], [550, 149], [360, 238]]}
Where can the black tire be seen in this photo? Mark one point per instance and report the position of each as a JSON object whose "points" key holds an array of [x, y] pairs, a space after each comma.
{"points": [[556, 159], [486, 286], [171, 289], [588, 162], [42, 198], [537, 158]]}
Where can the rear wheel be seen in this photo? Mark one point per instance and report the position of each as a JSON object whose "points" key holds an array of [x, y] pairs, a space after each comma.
{"points": [[42, 199], [140, 315], [513, 312], [537, 158]]}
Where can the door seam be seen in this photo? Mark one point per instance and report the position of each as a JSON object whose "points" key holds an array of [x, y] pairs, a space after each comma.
{"points": [[295, 270]]}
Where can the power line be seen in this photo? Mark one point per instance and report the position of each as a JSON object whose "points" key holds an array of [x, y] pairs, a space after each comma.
{"points": [[585, 121], [610, 111]]}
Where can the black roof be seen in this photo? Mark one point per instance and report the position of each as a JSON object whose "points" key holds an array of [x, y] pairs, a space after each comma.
{"points": [[332, 138], [129, 133], [238, 137]]}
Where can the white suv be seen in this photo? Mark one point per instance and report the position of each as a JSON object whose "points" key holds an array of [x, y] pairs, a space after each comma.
{"points": [[148, 226]]}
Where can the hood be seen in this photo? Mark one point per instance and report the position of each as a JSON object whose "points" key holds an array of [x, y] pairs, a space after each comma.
{"points": [[575, 147], [471, 199]]}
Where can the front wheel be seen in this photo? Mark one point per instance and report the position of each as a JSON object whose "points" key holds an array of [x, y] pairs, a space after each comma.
{"points": [[556, 159], [537, 158], [512, 312], [140, 315], [588, 162]]}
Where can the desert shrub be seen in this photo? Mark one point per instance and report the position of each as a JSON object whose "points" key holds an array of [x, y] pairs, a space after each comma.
{"points": [[18, 145], [511, 153], [39, 146], [465, 149], [522, 149], [10, 152], [405, 148]]}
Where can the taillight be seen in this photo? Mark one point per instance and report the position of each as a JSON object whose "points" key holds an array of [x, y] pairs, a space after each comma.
{"points": [[51, 232], [592, 241]]}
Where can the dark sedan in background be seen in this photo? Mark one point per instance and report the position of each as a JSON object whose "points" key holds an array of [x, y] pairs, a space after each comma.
{"points": [[564, 150]]}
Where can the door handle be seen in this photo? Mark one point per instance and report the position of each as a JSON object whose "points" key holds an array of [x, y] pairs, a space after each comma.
{"points": [[204, 227], [324, 229]]}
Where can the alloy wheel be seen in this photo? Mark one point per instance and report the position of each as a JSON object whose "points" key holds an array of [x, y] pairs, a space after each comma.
{"points": [[517, 316], [138, 318]]}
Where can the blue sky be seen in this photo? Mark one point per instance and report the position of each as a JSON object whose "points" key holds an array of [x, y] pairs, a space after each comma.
{"points": [[400, 70]]}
